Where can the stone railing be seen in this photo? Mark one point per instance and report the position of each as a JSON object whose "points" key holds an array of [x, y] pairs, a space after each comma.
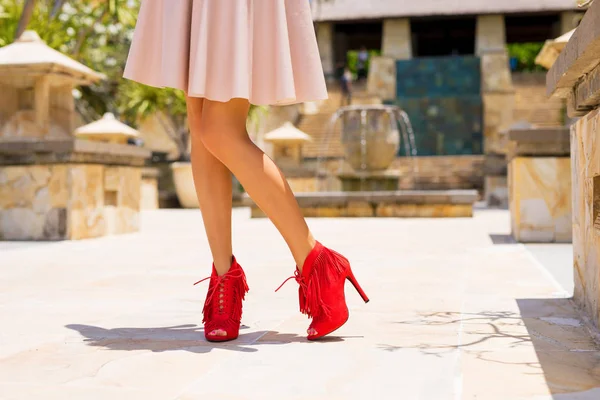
{"points": [[576, 77]]}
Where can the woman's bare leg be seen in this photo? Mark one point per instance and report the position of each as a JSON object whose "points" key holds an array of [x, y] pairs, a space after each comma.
{"points": [[223, 133], [213, 188]]}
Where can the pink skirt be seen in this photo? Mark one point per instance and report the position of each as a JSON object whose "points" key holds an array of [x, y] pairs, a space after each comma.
{"points": [[261, 50]]}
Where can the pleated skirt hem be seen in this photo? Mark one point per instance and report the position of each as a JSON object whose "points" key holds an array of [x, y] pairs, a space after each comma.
{"points": [[264, 51]]}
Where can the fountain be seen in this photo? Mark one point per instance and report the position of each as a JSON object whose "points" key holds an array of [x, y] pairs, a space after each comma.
{"points": [[371, 140], [371, 137]]}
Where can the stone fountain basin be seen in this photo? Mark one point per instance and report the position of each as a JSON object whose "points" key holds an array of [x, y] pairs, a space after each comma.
{"points": [[399, 204]]}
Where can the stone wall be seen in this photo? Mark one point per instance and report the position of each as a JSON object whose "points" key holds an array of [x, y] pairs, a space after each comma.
{"points": [[438, 172], [532, 104], [575, 77], [122, 192], [585, 165], [68, 201]]}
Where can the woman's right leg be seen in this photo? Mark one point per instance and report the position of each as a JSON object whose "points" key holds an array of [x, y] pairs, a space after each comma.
{"points": [[214, 190]]}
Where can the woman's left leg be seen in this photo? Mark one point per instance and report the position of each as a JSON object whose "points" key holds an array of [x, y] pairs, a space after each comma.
{"points": [[223, 133]]}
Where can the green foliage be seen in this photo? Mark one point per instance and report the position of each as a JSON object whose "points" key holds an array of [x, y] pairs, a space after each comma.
{"points": [[352, 59], [9, 18], [525, 53], [98, 34]]}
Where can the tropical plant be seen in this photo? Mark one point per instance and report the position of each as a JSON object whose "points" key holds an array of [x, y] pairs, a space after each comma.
{"points": [[525, 54]]}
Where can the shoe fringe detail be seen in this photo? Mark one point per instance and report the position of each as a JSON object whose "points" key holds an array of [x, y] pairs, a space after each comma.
{"points": [[327, 267], [234, 281]]}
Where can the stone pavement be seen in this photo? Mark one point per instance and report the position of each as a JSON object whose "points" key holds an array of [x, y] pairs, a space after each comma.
{"points": [[456, 312]]}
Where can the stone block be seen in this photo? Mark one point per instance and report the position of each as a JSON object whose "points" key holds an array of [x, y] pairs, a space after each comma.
{"points": [[31, 200], [585, 175], [122, 198], [330, 212], [55, 224], [578, 57], [425, 210], [303, 184], [86, 223], [131, 189], [382, 78], [20, 223], [539, 142], [86, 218], [68, 201], [359, 209], [149, 194], [120, 220], [540, 199], [113, 178]]}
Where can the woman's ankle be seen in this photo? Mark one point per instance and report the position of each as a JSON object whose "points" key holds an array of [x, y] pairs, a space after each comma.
{"points": [[302, 253], [223, 264]]}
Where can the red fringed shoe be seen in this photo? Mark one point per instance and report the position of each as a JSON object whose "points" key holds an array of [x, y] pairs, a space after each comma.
{"points": [[321, 289], [223, 305]]}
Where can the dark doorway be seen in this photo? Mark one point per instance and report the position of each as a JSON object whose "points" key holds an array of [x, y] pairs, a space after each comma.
{"points": [[352, 36], [443, 37], [531, 28]]}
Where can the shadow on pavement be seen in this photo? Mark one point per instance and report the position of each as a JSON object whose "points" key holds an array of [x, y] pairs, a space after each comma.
{"points": [[565, 352], [182, 337], [502, 239]]}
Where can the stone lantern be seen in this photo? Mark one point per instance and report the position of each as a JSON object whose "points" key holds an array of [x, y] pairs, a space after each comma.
{"points": [[287, 142], [108, 129], [54, 186], [37, 85]]}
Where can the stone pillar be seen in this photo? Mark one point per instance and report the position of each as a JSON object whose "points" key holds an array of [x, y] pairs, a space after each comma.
{"points": [[576, 77], [498, 103], [41, 101], [490, 35], [397, 45], [325, 43], [397, 39], [539, 181], [149, 192]]}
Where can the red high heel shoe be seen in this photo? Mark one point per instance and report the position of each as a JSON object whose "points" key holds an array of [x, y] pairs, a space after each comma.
{"points": [[321, 289], [223, 305]]}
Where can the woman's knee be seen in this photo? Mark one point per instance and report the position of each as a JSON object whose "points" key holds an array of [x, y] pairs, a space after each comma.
{"points": [[221, 124]]}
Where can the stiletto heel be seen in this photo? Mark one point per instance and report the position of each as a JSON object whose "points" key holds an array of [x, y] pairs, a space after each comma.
{"points": [[321, 291], [360, 291]]}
